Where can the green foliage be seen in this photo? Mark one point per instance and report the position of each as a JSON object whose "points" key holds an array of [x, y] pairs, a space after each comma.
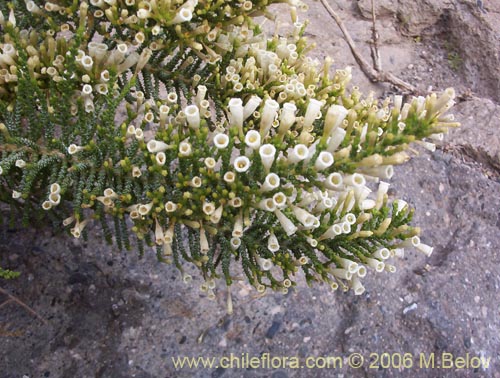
{"points": [[182, 127]]}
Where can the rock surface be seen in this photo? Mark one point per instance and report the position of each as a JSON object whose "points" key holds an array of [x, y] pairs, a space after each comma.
{"points": [[113, 315]]}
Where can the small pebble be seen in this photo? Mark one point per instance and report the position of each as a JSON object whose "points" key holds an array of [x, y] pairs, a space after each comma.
{"points": [[409, 308], [273, 330]]}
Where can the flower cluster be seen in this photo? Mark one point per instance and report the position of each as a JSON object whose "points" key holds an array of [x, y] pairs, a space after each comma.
{"points": [[210, 141]]}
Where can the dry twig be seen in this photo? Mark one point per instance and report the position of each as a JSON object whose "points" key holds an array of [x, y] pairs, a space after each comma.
{"points": [[372, 73], [13, 298]]}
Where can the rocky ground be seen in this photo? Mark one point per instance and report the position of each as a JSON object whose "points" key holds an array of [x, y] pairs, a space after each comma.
{"points": [[113, 315]]}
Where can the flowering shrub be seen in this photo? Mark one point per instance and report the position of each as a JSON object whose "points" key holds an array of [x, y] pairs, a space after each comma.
{"points": [[212, 142]]}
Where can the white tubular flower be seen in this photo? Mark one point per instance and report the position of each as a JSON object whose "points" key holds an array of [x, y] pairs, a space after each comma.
{"points": [[251, 105], [331, 232], [204, 248], [155, 146], [195, 182], [342, 273], [55, 188], [252, 139], [229, 177], [298, 153], [267, 204], [46, 205], [184, 15], [313, 109], [279, 200], [346, 227], [16, 194], [210, 162], [390, 268], [185, 149], [398, 252], [287, 117], [286, 223], [201, 91], [303, 216], [235, 202], [361, 271], [87, 90], [168, 236], [334, 118], [367, 204], [216, 215], [268, 115], [238, 226], [383, 187], [159, 237], [375, 264], [161, 158], [89, 105], [87, 62], [384, 172], [400, 205], [272, 243], [324, 160], [68, 221], [208, 208], [235, 243], [361, 193], [382, 253], [131, 130], [265, 264], [271, 182], [221, 141], [145, 209], [170, 207], [350, 266], [136, 172], [267, 152], [192, 116], [411, 242], [241, 164], [54, 199], [349, 218], [73, 149], [334, 181], [336, 139], [110, 193], [106, 201], [425, 249], [77, 230], [236, 113], [357, 286], [355, 180], [325, 203]]}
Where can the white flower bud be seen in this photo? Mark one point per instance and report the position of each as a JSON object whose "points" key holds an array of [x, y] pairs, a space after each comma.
{"points": [[268, 115], [286, 223], [313, 109], [334, 118]]}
